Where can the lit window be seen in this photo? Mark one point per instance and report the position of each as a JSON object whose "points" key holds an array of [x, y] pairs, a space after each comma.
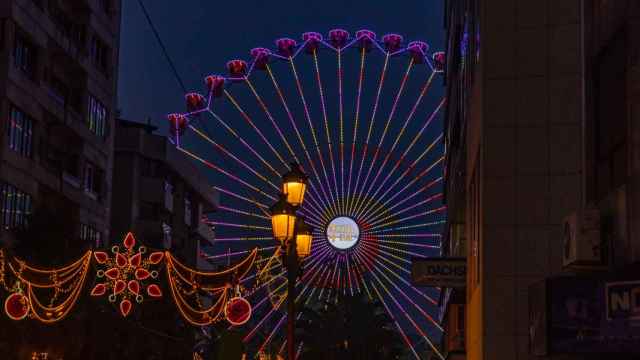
{"points": [[187, 211], [168, 195], [97, 117], [166, 240], [20, 132], [91, 235], [15, 207]]}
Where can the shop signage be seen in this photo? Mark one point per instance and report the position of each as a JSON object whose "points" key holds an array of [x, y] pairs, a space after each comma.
{"points": [[440, 272], [585, 315], [623, 300]]}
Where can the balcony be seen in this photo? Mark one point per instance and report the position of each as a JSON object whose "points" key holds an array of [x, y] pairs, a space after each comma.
{"points": [[206, 232]]}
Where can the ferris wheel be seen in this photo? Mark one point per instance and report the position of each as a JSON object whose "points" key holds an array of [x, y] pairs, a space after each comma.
{"points": [[360, 115]]}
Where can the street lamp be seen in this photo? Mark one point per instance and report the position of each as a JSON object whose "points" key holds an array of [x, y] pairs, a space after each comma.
{"points": [[294, 184], [295, 238], [283, 219], [304, 237]]}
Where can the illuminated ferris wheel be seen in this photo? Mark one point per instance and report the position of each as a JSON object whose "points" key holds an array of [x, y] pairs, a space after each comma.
{"points": [[357, 114]]}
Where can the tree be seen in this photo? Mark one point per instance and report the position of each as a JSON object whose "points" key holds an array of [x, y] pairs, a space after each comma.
{"points": [[352, 327]]}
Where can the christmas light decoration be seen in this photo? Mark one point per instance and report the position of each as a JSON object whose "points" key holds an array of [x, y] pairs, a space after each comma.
{"points": [[188, 286], [125, 274]]}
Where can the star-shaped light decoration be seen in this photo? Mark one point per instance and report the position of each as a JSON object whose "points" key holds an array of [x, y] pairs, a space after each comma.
{"points": [[125, 274]]}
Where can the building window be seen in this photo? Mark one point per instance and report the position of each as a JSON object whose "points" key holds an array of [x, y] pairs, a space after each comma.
{"points": [[24, 56], [92, 179], [187, 211], [20, 132], [97, 119], [100, 54], [90, 234], [166, 240], [168, 195], [16, 206]]}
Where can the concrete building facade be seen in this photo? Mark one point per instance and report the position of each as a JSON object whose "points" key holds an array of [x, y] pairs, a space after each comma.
{"points": [[159, 194], [58, 71], [542, 122]]}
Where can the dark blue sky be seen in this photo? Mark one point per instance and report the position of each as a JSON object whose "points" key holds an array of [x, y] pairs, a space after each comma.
{"points": [[202, 36]]}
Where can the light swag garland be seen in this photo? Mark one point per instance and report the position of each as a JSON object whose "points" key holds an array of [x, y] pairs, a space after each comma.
{"points": [[124, 277]]}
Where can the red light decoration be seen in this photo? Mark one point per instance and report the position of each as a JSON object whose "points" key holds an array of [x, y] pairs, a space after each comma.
{"points": [[238, 311], [16, 306], [124, 274]]}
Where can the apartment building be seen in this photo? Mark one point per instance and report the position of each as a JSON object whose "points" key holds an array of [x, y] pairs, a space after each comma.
{"points": [[58, 73]]}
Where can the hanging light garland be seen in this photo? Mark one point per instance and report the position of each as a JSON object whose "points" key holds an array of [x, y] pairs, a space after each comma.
{"points": [[127, 275], [187, 285], [63, 286]]}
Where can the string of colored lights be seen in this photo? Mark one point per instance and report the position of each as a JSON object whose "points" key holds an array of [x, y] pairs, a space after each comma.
{"points": [[326, 122], [371, 122], [356, 119], [394, 107], [302, 143]]}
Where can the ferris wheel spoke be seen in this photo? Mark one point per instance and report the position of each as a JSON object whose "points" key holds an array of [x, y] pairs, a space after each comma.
{"points": [[234, 157], [423, 213], [403, 243], [406, 227], [419, 292], [409, 318], [255, 128], [371, 122], [245, 238], [242, 212], [307, 115], [422, 174], [417, 103], [235, 225], [355, 127], [224, 172], [244, 143], [373, 216], [405, 209], [404, 154], [341, 120], [273, 122], [360, 265], [394, 107], [302, 144], [237, 253], [398, 327], [284, 316], [408, 298], [326, 122]]}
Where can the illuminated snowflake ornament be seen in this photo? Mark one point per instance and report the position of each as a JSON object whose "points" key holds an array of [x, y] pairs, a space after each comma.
{"points": [[125, 274]]}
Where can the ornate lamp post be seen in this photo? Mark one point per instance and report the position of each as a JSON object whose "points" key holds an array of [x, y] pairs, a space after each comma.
{"points": [[295, 238]]}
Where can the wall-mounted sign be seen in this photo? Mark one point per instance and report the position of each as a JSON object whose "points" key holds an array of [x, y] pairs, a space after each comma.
{"points": [[343, 233], [585, 315], [623, 300], [439, 272]]}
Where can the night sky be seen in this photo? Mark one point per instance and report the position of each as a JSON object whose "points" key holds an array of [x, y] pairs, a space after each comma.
{"points": [[202, 36]]}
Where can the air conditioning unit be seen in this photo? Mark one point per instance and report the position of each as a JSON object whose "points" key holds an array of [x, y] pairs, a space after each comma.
{"points": [[582, 243]]}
